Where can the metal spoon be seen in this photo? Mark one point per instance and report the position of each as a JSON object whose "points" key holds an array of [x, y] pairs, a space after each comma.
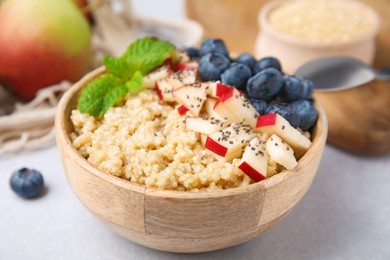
{"points": [[340, 72]]}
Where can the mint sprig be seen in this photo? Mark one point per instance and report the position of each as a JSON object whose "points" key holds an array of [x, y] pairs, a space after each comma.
{"points": [[101, 94], [124, 74]]}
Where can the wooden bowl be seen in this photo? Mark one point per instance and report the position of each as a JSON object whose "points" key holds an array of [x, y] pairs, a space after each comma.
{"points": [[179, 221], [294, 52]]}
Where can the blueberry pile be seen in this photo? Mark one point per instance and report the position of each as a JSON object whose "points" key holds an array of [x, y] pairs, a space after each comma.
{"points": [[262, 81]]}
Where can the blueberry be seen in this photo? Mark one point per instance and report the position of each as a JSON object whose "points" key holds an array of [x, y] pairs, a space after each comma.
{"points": [[212, 45], [259, 105], [286, 111], [308, 88], [247, 59], [236, 75], [265, 63], [306, 112], [265, 84], [192, 52], [295, 88], [27, 183], [212, 65]]}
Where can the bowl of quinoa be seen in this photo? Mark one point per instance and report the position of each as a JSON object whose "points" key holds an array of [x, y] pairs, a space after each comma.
{"points": [[177, 162], [232, 209], [302, 30]]}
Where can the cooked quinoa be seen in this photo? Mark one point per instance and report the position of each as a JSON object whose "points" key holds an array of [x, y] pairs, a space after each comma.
{"points": [[145, 141], [321, 20]]}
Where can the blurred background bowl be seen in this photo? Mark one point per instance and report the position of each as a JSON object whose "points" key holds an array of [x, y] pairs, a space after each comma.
{"points": [[294, 51]]}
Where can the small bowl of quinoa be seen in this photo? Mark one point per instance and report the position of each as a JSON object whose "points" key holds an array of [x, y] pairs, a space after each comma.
{"points": [[298, 31], [150, 172]]}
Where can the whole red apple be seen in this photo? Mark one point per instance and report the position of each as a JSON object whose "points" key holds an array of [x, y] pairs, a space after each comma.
{"points": [[42, 43]]}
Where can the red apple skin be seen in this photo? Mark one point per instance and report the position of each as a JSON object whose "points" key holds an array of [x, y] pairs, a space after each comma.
{"points": [[215, 147], [265, 120], [182, 110], [42, 43], [251, 172]]}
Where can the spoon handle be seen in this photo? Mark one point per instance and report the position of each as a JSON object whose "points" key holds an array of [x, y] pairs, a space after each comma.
{"points": [[383, 74]]}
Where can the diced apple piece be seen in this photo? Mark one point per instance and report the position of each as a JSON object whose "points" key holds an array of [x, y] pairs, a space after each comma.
{"points": [[275, 123], [181, 78], [191, 96], [180, 56], [240, 107], [281, 152], [203, 139], [217, 89], [182, 110], [254, 161], [164, 90], [152, 77], [209, 108], [164, 87], [188, 66], [223, 111], [229, 142], [204, 125]]}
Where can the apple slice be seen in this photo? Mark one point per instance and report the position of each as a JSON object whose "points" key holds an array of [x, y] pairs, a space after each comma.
{"points": [[254, 161], [223, 111], [209, 108], [217, 89], [203, 139], [164, 87], [281, 152], [240, 107], [164, 90], [152, 77], [191, 96], [188, 66], [182, 110], [204, 125], [181, 78], [229, 142], [275, 123]]}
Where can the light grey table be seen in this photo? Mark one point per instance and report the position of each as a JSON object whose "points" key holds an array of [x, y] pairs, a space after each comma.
{"points": [[344, 215]]}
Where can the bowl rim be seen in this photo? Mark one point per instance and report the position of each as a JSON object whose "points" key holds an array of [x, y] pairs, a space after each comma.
{"points": [[283, 36], [318, 141]]}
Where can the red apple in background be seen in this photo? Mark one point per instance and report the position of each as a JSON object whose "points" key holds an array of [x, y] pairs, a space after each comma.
{"points": [[82, 4], [42, 43]]}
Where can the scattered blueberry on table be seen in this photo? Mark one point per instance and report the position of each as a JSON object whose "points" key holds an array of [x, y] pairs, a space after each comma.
{"points": [[27, 183]]}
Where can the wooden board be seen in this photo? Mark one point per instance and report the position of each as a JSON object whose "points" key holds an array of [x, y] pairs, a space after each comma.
{"points": [[362, 126]]}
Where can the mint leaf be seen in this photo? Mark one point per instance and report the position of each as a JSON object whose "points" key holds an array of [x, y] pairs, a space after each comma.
{"points": [[135, 84], [101, 94], [143, 55], [147, 53], [124, 74], [117, 67]]}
